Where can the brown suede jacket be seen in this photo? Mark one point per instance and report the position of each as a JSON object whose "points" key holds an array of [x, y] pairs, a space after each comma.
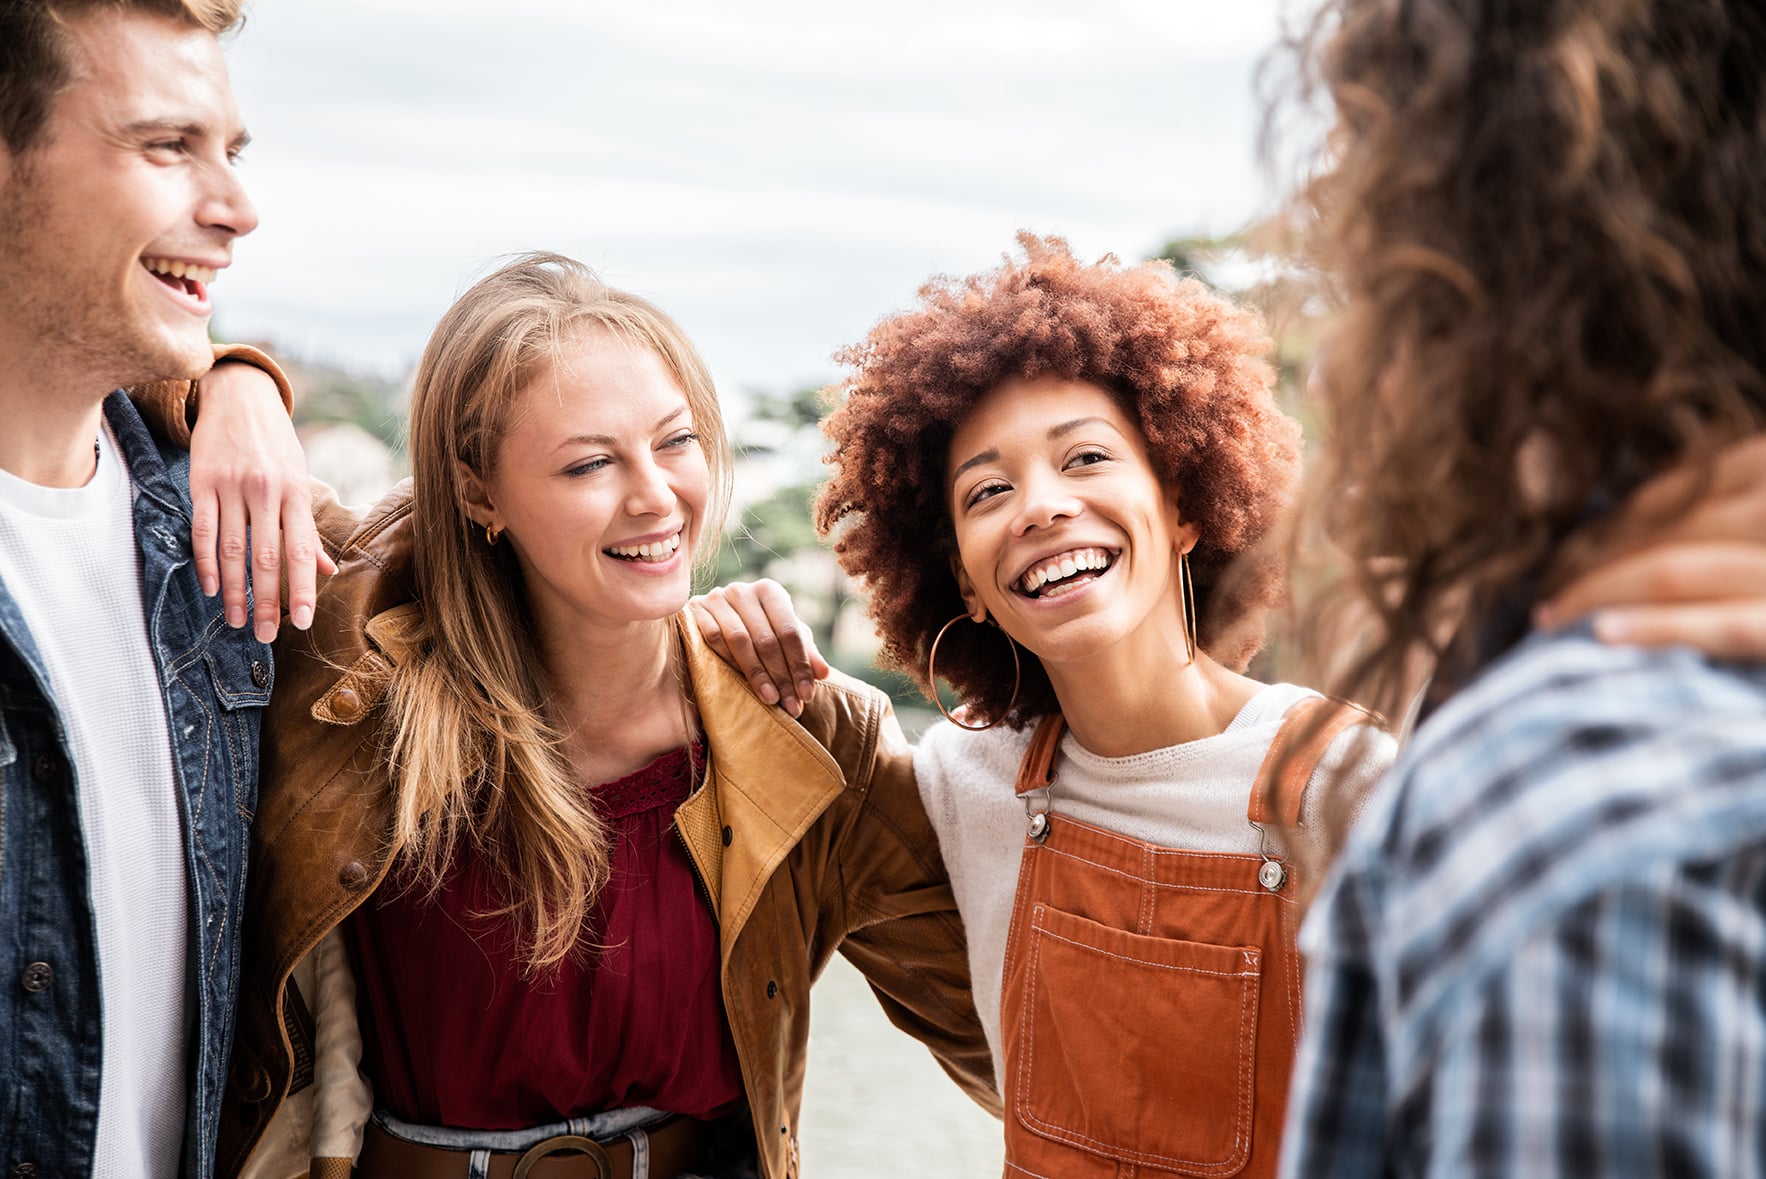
{"points": [[809, 836]]}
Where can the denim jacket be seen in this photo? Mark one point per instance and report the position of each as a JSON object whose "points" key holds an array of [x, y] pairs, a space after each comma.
{"points": [[216, 682]]}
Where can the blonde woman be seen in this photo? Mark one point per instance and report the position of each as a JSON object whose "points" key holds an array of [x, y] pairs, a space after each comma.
{"points": [[535, 875]]}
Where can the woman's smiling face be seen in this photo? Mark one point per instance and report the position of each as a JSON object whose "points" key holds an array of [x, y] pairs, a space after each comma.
{"points": [[600, 486], [1065, 535]]}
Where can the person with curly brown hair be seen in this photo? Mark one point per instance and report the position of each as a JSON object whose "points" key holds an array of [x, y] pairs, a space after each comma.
{"points": [[1543, 948], [1053, 479]]}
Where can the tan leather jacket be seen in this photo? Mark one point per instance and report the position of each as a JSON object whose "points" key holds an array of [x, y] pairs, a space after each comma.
{"points": [[808, 835]]}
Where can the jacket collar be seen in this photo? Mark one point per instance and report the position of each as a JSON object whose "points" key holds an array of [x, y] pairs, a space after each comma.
{"points": [[147, 467], [768, 782]]}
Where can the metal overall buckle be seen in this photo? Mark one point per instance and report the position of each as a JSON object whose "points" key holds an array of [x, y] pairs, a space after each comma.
{"points": [[1273, 874], [565, 1144]]}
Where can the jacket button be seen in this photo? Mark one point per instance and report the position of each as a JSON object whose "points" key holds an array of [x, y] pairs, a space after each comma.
{"points": [[37, 977], [352, 875], [260, 675], [345, 704], [772, 989], [25, 1171], [45, 769], [728, 836]]}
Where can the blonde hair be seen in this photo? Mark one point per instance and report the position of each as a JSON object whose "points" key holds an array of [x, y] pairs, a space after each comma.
{"points": [[475, 755]]}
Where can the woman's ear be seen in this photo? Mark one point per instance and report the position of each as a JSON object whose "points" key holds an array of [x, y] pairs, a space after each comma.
{"points": [[971, 599], [475, 497], [1184, 535]]}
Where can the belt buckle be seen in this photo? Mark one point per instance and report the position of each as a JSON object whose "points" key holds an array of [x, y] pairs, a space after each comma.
{"points": [[561, 1144]]}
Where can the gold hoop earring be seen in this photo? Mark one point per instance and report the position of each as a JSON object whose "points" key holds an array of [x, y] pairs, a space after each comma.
{"points": [[1186, 588], [492, 535], [932, 677]]}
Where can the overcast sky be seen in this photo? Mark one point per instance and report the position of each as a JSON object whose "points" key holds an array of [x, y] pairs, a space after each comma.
{"points": [[778, 174]]}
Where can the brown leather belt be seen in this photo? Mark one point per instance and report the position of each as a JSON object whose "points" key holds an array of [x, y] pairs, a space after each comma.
{"points": [[676, 1147]]}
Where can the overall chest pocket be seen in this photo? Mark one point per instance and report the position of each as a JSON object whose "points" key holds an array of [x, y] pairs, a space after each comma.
{"points": [[1136, 1049]]}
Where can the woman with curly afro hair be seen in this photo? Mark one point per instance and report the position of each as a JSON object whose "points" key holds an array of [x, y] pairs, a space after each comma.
{"points": [[1053, 478]]}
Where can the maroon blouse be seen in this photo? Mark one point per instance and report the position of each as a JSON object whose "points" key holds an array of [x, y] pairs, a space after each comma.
{"points": [[454, 1036]]}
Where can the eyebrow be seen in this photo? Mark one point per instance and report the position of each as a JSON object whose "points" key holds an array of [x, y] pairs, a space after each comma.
{"points": [[193, 130], [610, 440], [1057, 431]]}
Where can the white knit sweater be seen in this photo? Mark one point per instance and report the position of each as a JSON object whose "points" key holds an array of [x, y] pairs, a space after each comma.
{"points": [[1192, 796]]}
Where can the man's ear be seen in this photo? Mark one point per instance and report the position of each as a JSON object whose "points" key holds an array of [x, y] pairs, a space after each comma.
{"points": [[971, 600], [475, 497]]}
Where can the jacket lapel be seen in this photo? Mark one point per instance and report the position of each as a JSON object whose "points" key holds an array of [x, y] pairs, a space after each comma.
{"points": [[767, 783]]}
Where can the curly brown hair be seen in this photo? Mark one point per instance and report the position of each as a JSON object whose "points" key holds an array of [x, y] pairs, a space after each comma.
{"points": [[1186, 365], [1546, 225]]}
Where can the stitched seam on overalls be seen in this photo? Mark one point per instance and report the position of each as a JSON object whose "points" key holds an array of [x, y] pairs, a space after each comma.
{"points": [[1131, 876]]}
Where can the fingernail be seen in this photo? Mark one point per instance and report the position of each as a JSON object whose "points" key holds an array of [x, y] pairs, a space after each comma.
{"points": [[236, 616], [793, 707], [1610, 627], [302, 617], [805, 689], [266, 632], [769, 694], [209, 587]]}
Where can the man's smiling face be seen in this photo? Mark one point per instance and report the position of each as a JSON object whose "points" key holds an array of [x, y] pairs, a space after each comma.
{"points": [[115, 219]]}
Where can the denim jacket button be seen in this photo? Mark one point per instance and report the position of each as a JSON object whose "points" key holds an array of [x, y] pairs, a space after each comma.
{"points": [[37, 977], [353, 876], [260, 675], [46, 768], [25, 1171]]}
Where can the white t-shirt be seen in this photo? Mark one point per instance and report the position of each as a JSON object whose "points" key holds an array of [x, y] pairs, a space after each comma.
{"points": [[1192, 795], [69, 561]]}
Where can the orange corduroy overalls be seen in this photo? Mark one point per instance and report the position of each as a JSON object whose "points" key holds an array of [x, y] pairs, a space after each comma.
{"points": [[1151, 1000]]}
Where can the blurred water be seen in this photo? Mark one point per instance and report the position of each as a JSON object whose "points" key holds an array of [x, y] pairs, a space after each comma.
{"points": [[876, 1103]]}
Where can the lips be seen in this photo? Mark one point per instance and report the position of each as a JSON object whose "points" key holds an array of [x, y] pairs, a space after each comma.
{"points": [[190, 279], [1059, 573], [649, 552]]}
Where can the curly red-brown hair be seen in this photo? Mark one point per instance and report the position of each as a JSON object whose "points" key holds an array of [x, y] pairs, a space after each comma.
{"points": [[1187, 365]]}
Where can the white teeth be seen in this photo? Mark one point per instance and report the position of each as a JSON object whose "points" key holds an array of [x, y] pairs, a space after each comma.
{"points": [[176, 269], [1064, 566], [654, 551]]}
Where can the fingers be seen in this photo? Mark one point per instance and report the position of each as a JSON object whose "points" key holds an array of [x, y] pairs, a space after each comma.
{"points": [[234, 553], [709, 628], [302, 551], [1739, 472], [1722, 630], [266, 559], [204, 531], [735, 644], [759, 633], [1668, 573], [782, 643], [1701, 593]]}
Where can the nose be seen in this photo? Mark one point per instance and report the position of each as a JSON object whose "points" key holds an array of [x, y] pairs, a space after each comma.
{"points": [[649, 492], [226, 206], [1042, 500]]}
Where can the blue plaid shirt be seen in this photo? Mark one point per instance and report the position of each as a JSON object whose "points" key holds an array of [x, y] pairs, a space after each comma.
{"points": [[1543, 951]]}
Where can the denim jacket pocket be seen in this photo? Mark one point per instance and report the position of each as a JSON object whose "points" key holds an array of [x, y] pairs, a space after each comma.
{"points": [[243, 675]]}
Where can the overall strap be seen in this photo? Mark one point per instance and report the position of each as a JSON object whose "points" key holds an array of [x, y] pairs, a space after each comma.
{"points": [[1288, 766], [1037, 769]]}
